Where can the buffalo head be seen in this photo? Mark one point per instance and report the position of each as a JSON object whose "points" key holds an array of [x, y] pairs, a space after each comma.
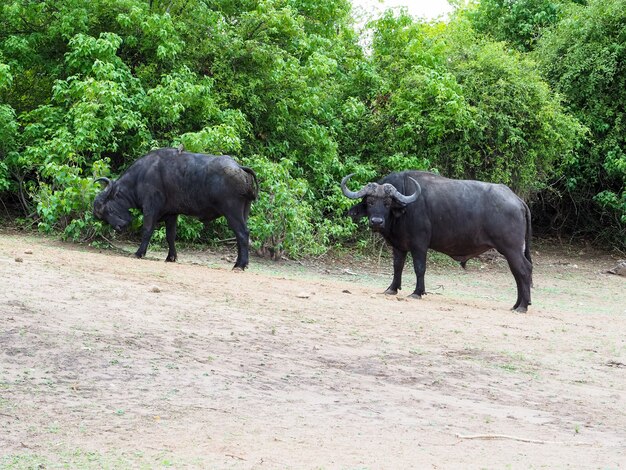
{"points": [[379, 201], [111, 206]]}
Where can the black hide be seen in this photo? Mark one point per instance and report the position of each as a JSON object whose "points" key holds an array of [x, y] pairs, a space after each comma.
{"points": [[461, 218], [168, 182]]}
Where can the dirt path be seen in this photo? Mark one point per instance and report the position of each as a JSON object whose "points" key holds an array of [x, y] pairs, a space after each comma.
{"points": [[109, 361]]}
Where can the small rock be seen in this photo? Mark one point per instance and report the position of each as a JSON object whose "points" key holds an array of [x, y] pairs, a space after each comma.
{"points": [[302, 295], [155, 289], [619, 269], [28, 252], [18, 259], [346, 291]]}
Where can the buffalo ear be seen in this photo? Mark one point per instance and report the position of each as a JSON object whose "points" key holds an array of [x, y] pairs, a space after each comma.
{"points": [[358, 211]]}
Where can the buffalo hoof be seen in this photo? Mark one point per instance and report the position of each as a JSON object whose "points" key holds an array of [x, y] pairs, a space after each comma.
{"points": [[391, 291], [138, 255], [171, 259], [520, 309], [238, 269], [414, 296]]}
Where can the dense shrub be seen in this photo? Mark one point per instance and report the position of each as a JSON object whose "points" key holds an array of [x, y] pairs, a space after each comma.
{"points": [[285, 87], [450, 100], [584, 58]]}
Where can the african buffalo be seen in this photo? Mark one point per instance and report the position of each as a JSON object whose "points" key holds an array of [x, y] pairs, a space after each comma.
{"points": [[167, 182], [416, 210]]}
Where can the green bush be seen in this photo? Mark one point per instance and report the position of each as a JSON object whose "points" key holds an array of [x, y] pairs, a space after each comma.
{"points": [[584, 58], [285, 87], [281, 220], [450, 100]]}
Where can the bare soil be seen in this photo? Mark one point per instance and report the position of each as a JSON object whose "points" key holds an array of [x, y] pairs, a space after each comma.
{"points": [[107, 361]]}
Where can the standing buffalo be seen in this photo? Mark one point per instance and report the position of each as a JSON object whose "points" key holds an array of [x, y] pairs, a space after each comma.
{"points": [[416, 210], [168, 182]]}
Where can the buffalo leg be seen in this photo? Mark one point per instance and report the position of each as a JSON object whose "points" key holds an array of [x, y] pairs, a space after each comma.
{"points": [[419, 265], [399, 257], [522, 272], [170, 235], [238, 225], [149, 224]]}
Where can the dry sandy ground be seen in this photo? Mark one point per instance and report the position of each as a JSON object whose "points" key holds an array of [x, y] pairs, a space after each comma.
{"points": [[111, 362]]}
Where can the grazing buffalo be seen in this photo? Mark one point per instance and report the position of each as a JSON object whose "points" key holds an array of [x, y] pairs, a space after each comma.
{"points": [[168, 182], [416, 210]]}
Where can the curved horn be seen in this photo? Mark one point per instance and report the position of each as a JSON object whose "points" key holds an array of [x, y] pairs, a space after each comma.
{"points": [[351, 194], [103, 178], [408, 199]]}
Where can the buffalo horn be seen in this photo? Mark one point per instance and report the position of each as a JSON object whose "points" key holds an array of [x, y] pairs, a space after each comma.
{"points": [[408, 199], [351, 194], [103, 178]]}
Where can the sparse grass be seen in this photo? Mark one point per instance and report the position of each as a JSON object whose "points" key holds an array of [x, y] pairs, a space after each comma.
{"points": [[54, 428], [508, 367], [84, 459], [440, 260], [5, 404], [517, 363], [444, 346], [512, 362]]}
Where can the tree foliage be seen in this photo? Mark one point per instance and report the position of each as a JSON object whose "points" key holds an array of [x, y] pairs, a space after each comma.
{"points": [[88, 86], [103, 81], [450, 100], [584, 58], [518, 22]]}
